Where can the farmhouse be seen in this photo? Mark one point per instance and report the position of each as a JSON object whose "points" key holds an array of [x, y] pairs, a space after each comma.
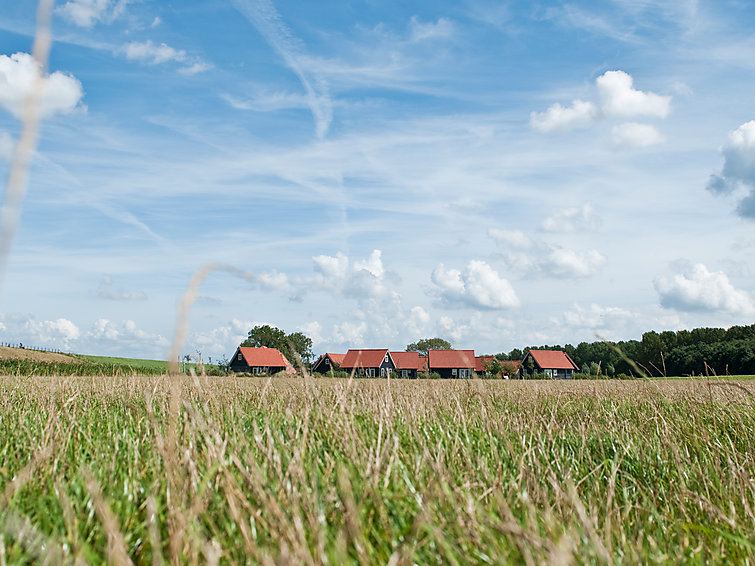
{"points": [[553, 363], [267, 361], [451, 364], [408, 364], [327, 362], [369, 362]]}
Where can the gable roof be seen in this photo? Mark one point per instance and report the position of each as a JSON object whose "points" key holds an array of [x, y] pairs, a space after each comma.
{"points": [[335, 358], [264, 357], [406, 360], [364, 358], [450, 359], [553, 359]]}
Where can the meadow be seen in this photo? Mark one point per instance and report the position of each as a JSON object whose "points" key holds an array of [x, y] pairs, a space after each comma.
{"points": [[231, 470]]}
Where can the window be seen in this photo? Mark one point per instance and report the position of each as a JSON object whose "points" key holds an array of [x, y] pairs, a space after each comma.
{"points": [[382, 372], [386, 359], [454, 371], [240, 356], [404, 373], [327, 361], [465, 373], [370, 372]]}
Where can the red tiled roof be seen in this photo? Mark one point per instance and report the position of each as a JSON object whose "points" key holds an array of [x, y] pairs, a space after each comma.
{"points": [[423, 364], [406, 360], [364, 358], [451, 359], [336, 358], [553, 359], [264, 357]]}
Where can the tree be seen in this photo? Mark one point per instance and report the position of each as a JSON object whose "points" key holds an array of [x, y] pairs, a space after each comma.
{"points": [[493, 367], [422, 346], [290, 345]]}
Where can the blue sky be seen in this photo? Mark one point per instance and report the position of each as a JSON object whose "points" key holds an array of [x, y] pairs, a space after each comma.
{"points": [[500, 174]]}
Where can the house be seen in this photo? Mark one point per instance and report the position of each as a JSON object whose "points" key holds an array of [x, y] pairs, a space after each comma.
{"points": [[553, 363], [369, 362], [451, 364], [267, 361], [327, 362], [408, 364]]}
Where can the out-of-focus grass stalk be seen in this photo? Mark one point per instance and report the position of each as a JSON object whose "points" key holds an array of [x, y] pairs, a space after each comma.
{"points": [[27, 143]]}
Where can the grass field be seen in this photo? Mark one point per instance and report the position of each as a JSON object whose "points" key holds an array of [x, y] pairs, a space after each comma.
{"points": [[375, 472]]}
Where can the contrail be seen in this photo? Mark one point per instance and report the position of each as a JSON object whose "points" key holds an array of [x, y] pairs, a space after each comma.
{"points": [[263, 15], [27, 143]]}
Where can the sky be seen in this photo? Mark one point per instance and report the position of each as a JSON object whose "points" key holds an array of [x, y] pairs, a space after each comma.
{"points": [[499, 174]]}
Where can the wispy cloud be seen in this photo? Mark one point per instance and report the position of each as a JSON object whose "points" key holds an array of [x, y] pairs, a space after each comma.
{"points": [[264, 16]]}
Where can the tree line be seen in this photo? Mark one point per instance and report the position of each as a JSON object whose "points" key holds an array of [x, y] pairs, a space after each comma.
{"points": [[701, 351]]}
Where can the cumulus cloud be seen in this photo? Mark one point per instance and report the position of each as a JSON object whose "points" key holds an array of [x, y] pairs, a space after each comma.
{"points": [[59, 332], [479, 285], [108, 291], [572, 219], [698, 289], [738, 173], [634, 135], [580, 114], [85, 13], [125, 337], [619, 98], [361, 278], [18, 74], [536, 258]]}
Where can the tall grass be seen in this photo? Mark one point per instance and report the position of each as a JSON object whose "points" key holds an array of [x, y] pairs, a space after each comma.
{"points": [[377, 472]]}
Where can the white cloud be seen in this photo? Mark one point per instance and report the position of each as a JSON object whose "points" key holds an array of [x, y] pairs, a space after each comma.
{"points": [[60, 332], [107, 291], [597, 317], [634, 135], [153, 54], [124, 337], [513, 239], [85, 13], [221, 340], [536, 258], [264, 16], [570, 264], [698, 289], [350, 333], [195, 68], [421, 31], [478, 286], [580, 114], [619, 98], [18, 74], [373, 264], [572, 219], [738, 173]]}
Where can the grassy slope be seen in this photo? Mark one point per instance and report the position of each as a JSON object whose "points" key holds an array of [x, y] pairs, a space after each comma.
{"points": [[373, 472], [148, 365]]}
